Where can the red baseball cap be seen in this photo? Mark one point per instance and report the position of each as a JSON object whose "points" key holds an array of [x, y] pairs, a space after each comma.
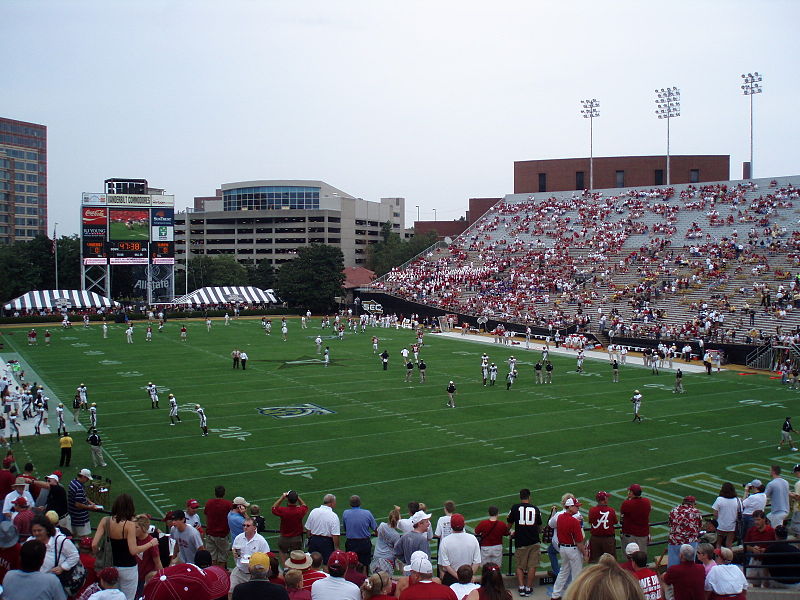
{"points": [[352, 559], [338, 559], [457, 521], [635, 488], [192, 503], [601, 495], [180, 582]]}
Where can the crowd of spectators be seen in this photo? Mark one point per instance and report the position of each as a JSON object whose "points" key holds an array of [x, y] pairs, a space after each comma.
{"points": [[544, 260], [323, 554]]}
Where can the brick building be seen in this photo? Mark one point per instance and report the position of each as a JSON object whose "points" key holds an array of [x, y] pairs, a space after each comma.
{"points": [[563, 174], [23, 180]]}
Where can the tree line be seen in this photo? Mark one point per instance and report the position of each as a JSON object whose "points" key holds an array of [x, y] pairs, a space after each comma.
{"points": [[311, 280]]}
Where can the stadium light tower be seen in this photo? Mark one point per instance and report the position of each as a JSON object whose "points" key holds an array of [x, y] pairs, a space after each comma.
{"points": [[668, 106], [751, 88], [589, 111]]}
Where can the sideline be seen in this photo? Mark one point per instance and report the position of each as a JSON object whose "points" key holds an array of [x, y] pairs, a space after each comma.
{"points": [[537, 345]]}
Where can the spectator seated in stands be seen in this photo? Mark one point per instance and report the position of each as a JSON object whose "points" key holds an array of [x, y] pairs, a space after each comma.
{"points": [[782, 560]]}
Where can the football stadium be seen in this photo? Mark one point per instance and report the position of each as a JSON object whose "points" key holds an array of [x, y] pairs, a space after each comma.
{"points": [[547, 345], [655, 280]]}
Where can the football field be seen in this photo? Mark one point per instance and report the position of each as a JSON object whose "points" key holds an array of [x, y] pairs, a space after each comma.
{"points": [[289, 422]]}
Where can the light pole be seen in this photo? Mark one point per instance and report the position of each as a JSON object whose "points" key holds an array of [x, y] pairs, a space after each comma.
{"points": [[417, 212], [668, 106], [751, 88], [55, 251], [589, 111], [434, 215]]}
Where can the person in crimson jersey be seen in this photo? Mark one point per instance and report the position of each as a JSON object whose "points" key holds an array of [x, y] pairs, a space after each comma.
{"points": [[635, 513], [570, 547], [291, 525], [602, 519], [761, 531], [491, 533], [526, 520], [687, 578], [217, 531], [648, 579], [422, 586]]}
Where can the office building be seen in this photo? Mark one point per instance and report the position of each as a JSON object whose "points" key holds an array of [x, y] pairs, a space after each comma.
{"points": [[270, 219], [23, 180]]}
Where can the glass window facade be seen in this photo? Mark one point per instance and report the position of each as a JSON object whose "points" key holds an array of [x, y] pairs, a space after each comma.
{"points": [[271, 198]]}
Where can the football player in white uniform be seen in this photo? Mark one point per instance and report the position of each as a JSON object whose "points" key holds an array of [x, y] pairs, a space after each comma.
{"points": [[203, 421], [173, 410], [152, 391]]}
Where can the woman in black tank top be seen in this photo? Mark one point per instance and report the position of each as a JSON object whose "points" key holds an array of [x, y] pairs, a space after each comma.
{"points": [[121, 530]]}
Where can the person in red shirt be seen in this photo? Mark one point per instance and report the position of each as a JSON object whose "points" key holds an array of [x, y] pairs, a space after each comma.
{"points": [[291, 522], [761, 531], [635, 513], [648, 579], [602, 519], [490, 533], [22, 517], [629, 565], [9, 548], [217, 531], [570, 546], [304, 562], [88, 560], [424, 588], [687, 578], [148, 561], [7, 479]]}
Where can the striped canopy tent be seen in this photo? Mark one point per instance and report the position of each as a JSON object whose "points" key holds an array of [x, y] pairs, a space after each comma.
{"points": [[225, 295], [39, 299]]}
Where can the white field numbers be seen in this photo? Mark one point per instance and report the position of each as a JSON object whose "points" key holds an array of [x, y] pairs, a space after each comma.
{"points": [[233, 433], [301, 469]]}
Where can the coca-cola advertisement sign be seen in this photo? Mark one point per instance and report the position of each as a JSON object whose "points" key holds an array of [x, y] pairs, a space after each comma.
{"points": [[95, 221]]}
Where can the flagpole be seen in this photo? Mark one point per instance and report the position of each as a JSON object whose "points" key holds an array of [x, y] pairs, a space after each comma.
{"points": [[55, 250]]}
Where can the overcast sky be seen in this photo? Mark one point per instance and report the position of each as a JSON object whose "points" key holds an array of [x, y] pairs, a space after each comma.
{"points": [[431, 101]]}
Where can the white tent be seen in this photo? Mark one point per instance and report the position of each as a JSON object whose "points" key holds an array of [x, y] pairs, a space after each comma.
{"points": [[224, 295], [38, 299]]}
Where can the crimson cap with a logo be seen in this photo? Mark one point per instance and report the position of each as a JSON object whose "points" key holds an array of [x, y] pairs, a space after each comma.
{"points": [[338, 559], [180, 582]]}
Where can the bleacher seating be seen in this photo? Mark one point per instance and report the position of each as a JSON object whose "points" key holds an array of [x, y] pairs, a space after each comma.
{"points": [[671, 261]]}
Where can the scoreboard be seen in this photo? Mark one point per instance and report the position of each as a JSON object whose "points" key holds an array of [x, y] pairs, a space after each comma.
{"points": [[94, 252], [162, 253], [127, 252], [127, 229]]}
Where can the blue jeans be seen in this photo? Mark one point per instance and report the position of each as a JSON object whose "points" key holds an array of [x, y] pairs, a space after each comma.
{"points": [[554, 565]]}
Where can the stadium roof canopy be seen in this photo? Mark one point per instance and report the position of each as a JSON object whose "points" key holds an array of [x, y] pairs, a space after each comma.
{"points": [[59, 299], [224, 295]]}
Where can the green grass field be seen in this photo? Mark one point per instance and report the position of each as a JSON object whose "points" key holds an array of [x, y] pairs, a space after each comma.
{"points": [[391, 441], [119, 231]]}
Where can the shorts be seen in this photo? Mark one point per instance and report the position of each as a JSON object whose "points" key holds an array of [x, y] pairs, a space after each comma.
{"points": [[218, 547], [786, 436], [81, 530], [287, 544], [527, 557], [493, 554]]}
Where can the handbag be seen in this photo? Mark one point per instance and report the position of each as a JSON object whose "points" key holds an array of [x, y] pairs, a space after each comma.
{"points": [[104, 557], [71, 579], [547, 531]]}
